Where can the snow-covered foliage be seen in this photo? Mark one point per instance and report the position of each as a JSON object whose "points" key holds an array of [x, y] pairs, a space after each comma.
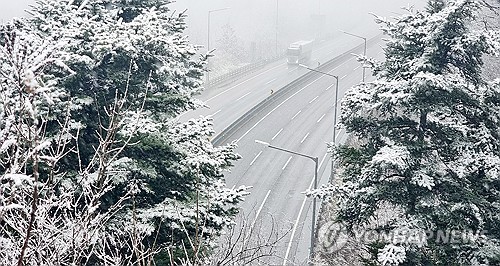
{"points": [[428, 139], [230, 53], [94, 168], [391, 255]]}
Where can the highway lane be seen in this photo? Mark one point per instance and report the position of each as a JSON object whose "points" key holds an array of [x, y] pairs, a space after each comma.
{"points": [[301, 122], [229, 102]]}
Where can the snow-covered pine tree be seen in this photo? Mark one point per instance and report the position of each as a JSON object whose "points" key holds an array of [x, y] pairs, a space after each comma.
{"points": [[121, 174], [230, 52], [426, 143]]}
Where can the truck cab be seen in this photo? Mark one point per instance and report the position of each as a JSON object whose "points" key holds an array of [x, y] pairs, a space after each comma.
{"points": [[299, 52]]}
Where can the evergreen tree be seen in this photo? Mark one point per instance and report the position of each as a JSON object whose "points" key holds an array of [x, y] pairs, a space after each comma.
{"points": [[426, 143], [229, 53], [230, 46], [108, 77]]}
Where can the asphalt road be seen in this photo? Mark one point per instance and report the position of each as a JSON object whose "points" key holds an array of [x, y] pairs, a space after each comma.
{"points": [[302, 122], [227, 103]]}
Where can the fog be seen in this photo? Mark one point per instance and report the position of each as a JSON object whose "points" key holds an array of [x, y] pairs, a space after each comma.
{"points": [[258, 29], [255, 20], [13, 8], [259, 20]]}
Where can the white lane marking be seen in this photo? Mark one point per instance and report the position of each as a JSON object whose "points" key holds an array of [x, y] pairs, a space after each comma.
{"points": [[274, 109], [338, 102], [298, 216], [219, 94], [343, 77], [260, 209], [255, 219], [243, 96], [271, 81], [277, 134], [329, 87], [288, 161], [321, 118], [305, 137], [296, 114], [294, 230], [216, 112], [253, 161], [314, 99], [357, 68], [324, 157], [290, 71], [337, 135]]}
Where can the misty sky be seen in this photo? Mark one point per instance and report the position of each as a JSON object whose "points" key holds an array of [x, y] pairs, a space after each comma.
{"points": [[255, 20], [13, 8]]}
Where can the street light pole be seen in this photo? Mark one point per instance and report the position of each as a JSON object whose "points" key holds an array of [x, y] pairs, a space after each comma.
{"points": [[335, 106], [335, 121], [276, 41], [208, 40], [364, 52], [315, 159]]}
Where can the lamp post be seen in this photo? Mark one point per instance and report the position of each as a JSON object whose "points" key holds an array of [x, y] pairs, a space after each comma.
{"points": [[335, 110], [364, 53], [208, 39], [276, 40], [315, 159]]}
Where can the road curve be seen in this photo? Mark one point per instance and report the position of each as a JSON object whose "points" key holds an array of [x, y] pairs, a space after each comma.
{"points": [[301, 120]]}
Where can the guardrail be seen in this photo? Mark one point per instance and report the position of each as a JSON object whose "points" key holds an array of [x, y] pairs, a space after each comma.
{"points": [[223, 136], [242, 70], [245, 69]]}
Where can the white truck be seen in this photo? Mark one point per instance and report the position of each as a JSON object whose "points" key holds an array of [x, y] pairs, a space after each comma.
{"points": [[299, 52]]}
